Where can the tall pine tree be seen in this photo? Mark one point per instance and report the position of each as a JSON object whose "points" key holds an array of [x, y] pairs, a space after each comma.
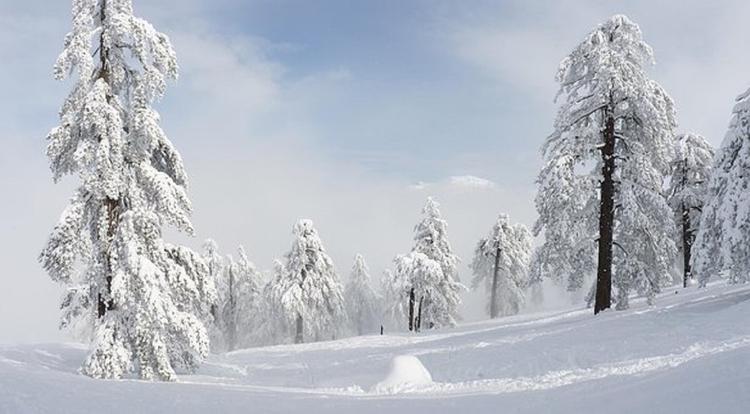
{"points": [[146, 297], [612, 216], [723, 239], [691, 171]]}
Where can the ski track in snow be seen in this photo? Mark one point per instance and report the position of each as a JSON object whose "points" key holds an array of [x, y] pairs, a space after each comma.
{"points": [[264, 371], [553, 379]]}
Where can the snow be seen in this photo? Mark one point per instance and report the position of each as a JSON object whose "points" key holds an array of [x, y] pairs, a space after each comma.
{"points": [[688, 354], [406, 372]]}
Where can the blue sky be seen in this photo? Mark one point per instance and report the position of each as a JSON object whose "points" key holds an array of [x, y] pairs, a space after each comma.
{"points": [[334, 110]]}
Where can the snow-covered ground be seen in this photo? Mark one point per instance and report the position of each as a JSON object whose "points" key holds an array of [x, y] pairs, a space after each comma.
{"points": [[688, 354]]}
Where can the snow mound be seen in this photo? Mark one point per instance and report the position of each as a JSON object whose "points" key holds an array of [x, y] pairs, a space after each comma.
{"points": [[406, 373]]}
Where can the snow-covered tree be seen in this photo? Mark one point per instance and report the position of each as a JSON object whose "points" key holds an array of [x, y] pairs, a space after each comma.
{"points": [[441, 294], [600, 198], [501, 263], [308, 294], [239, 293], [215, 264], [723, 239], [147, 296], [395, 294], [362, 303], [691, 171], [427, 305], [274, 324]]}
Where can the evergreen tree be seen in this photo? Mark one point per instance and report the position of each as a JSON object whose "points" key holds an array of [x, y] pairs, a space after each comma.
{"points": [[239, 293], [422, 277], [434, 298], [501, 262], [616, 119], [215, 264], [691, 171], [362, 303], [145, 296], [723, 239], [395, 293], [307, 294]]}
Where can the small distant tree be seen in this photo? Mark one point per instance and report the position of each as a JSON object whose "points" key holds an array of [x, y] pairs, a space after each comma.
{"points": [[434, 297], [239, 294], [422, 277], [501, 263], [723, 239], [362, 303], [215, 264], [688, 188], [309, 291], [395, 292]]}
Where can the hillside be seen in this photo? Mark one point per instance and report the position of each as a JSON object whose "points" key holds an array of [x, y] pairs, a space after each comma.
{"points": [[688, 354]]}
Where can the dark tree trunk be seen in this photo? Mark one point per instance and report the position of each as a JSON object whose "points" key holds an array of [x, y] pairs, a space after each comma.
{"points": [[104, 300], [495, 276], [419, 315], [606, 219], [232, 315], [687, 244], [411, 309]]}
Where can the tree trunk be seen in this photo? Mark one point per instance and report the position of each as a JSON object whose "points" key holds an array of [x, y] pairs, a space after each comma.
{"points": [[606, 219], [419, 315], [687, 244], [411, 310], [495, 276], [105, 302], [232, 313], [298, 338]]}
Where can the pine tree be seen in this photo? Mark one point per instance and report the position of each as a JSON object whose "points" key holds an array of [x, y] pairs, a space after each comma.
{"points": [[434, 298], [723, 239], [422, 277], [395, 293], [239, 293], [308, 294], [148, 296], [362, 303], [215, 264], [618, 120], [501, 263], [691, 171]]}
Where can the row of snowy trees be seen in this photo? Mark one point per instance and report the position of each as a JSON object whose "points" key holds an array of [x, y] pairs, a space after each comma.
{"points": [[603, 205]]}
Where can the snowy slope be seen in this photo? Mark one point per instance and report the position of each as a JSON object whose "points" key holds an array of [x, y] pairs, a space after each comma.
{"points": [[689, 354]]}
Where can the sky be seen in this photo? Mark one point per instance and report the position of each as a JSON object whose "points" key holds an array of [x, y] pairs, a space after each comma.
{"points": [[349, 113]]}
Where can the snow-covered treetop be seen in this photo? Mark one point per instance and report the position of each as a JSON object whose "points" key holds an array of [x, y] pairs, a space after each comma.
{"points": [[605, 73], [691, 170], [108, 133], [360, 272], [431, 238], [604, 80]]}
